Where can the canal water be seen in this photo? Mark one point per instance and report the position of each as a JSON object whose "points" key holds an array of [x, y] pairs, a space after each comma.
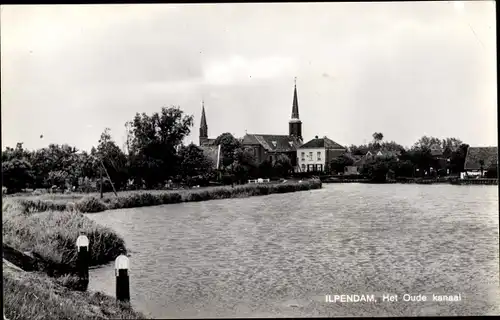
{"points": [[280, 255]]}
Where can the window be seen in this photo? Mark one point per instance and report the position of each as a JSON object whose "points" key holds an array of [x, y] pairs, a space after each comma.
{"points": [[320, 167], [310, 156], [303, 156], [319, 155], [303, 167]]}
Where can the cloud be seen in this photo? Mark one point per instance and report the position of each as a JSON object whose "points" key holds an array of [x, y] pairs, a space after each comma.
{"points": [[101, 64], [238, 68]]}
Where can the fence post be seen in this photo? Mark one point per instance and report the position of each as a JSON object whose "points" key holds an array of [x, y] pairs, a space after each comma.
{"points": [[122, 279], [82, 264]]}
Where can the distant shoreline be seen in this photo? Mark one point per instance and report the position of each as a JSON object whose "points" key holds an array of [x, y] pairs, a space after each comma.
{"points": [[417, 181], [91, 203]]}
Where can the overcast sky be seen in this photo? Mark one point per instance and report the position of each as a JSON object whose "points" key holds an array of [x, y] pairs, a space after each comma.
{"points": [[404, 69]]}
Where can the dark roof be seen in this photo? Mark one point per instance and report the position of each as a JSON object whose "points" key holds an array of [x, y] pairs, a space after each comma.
{"points": [[474, 154], [209, 142], [212, 153], [385, 153], [322, 143], [272, 143], [353, 156], [335, 153]]}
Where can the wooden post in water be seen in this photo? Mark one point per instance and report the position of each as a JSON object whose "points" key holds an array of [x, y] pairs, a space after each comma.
{"points": [[82, 263], [122, 279]]}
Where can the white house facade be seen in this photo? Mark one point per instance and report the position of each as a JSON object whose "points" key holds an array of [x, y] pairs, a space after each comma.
{"points": [[316, 154], [311, 159]]}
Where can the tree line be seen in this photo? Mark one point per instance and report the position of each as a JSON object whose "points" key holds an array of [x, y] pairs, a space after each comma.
{"points": [[154, 154], [412, 162]]}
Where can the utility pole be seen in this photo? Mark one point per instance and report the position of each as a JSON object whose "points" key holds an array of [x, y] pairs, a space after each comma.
{"points": [[107, 174], [100, 174]]}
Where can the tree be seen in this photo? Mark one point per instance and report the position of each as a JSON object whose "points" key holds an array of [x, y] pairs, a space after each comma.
{"points": [[360, 150], [113, 158], [457, 159], [375, 170], [55, 158], [16, 174], [266, 169], [451, 143], [377, 138], [421, 158], [229, 144], [339, 163], [154, 142], [426, 142], [404, 169], [58, 178], [244, 165], [392, 146], [481, 163], [194, 162], [282, 165]]}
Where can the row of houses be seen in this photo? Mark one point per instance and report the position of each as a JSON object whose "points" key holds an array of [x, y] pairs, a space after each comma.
{"points": [[317, 153]]}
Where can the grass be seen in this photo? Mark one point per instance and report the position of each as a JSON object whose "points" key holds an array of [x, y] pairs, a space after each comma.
{"points": [[130, 199], [35, 296], [52, 234]]}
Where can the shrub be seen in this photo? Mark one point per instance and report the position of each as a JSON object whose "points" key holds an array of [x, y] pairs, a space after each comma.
{"points": [[38, 205], [171, 197], [90, 205], [52, 236]]}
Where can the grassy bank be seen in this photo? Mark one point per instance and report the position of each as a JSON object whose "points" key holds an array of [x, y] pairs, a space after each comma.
{"points": [[51, 235], [88, 204], [36, 296]]}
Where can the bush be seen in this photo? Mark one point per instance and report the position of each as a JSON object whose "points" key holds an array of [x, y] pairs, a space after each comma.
{"points": [[38, 205], [90, 205], [52, 236]]}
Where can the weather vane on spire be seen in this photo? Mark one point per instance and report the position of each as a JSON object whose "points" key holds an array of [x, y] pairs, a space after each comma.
{"points": [[295, 81]]}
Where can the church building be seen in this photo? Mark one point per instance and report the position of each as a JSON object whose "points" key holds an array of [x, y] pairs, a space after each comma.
{"points": [[208, 145], [263, 146], [204, 140], [269, 146]]}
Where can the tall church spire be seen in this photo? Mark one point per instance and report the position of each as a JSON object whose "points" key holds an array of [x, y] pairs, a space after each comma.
{"points": [[295, 125], [203, 125], [295, 105]]}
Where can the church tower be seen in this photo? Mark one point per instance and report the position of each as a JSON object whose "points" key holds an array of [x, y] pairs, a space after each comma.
{"points": [[295, 125], [203, 126]]}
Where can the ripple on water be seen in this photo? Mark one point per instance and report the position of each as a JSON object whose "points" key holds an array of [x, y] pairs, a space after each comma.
{"points": [[279, 255]]}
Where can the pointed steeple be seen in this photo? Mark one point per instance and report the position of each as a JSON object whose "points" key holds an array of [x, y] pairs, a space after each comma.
{"points": [[295, 125], [203, 125], [203, 117], [295, 105]]}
